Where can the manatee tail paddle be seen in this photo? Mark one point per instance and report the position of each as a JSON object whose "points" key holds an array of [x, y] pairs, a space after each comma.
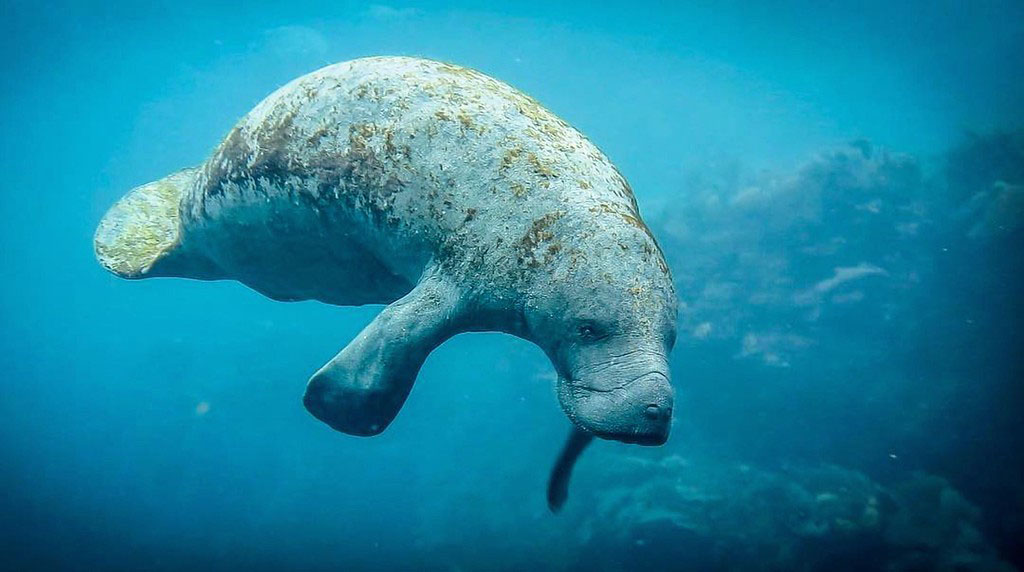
{"points": [[140, 236], [558, 483]]}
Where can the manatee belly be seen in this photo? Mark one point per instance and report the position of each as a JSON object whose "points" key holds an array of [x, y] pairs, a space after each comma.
{"points": [[291, 251]]}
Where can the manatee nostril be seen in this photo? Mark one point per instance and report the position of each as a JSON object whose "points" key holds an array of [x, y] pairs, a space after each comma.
{"points": [[652, 412]]}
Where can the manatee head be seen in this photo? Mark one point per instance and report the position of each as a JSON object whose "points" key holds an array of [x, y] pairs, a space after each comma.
{"points": [[605, 314]]}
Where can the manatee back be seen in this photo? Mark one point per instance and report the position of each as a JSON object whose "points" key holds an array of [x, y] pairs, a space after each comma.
{"points": [[402, 154], [344, 183]]}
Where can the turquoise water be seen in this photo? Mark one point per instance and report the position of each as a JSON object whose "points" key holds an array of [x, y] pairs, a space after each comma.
{"points": [[838, 191]]}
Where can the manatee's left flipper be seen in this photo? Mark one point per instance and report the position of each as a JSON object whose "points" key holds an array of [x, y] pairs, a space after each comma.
{"points": [[361, 390], [558, 483]]}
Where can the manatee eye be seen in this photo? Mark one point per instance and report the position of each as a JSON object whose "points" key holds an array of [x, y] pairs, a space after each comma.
{"points": [[588, 332]]}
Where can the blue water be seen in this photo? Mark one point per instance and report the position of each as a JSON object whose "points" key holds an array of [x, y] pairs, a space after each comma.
{"points": [[837, 188]]}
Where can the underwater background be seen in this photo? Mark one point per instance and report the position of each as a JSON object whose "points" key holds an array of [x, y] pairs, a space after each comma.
{"points": [[838, 188]]}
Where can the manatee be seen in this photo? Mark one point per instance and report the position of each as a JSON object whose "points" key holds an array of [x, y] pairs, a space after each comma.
{"points": [[455, 200]]}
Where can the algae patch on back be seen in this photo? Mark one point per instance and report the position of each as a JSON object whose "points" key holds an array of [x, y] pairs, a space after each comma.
{"points": [[142, 227]]}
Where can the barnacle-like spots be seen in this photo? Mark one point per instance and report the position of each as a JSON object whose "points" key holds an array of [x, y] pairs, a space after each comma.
{"points": [[627, 215], [467, 123], [461, 71], [362, 91], [376, 90], [528, 253], [577, 259], [659, 259], [319, 135], [530, 108], [545, 125], [621, 188], [511, 156], [310, 91], [539, 167]]}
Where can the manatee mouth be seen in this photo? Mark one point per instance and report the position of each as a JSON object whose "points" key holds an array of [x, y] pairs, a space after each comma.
{"points": [[651, 438]]}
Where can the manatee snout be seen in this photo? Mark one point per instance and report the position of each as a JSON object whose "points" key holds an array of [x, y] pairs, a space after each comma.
{"points": [[644, 412], [638, 411]]}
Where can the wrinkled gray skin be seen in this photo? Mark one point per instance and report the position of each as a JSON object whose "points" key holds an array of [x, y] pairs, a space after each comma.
{"points": [[453, 198]]}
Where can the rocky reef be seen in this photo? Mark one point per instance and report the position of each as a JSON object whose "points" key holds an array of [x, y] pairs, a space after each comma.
{"points": [[772, 260], [702, 514]]}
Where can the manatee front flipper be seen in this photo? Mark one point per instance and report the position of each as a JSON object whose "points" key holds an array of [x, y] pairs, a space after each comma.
{"points": [[558, 483], [361, 390]]}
